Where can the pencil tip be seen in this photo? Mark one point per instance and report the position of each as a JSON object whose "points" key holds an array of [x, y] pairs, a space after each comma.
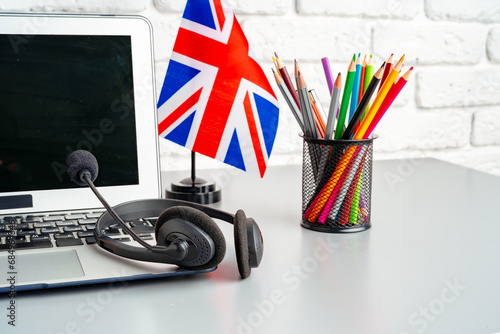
{"points": [[371, 56], [411, 68], [276, 54]]}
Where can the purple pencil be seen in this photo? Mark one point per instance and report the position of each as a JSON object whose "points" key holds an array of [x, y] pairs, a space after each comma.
{"points": [[328, 73]]}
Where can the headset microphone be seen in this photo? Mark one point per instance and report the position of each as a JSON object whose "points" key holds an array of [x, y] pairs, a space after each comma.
{"points": [[185, 233], [83, 169]]}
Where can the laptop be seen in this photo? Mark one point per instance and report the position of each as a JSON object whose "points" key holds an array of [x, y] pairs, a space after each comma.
{"points": [[73, 82]]}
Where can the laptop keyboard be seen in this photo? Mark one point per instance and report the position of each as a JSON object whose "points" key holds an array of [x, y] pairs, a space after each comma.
{"points": [[62, 230]]}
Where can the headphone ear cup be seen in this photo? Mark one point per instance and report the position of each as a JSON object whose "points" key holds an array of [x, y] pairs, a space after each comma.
{"points": [[186, 216], [241, 244]]}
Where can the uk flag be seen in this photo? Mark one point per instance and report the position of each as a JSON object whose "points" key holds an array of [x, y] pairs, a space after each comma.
{"points": [[215, 99]]}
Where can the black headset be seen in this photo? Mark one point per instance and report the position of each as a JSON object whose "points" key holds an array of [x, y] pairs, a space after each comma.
{"points": [[185, 233]]}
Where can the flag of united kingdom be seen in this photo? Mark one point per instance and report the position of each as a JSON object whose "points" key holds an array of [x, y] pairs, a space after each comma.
{"points": [[215, 99]]}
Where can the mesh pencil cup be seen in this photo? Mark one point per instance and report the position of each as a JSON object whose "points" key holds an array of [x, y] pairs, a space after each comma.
{"points": [[336, 185]]}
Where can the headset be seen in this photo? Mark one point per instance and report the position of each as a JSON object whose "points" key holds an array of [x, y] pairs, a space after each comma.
{"points": [[185, 233]]}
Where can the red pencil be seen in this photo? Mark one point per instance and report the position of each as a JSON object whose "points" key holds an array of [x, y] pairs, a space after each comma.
{"points": [[362, 81], [391, 96], [388, 67], [286, 78]]}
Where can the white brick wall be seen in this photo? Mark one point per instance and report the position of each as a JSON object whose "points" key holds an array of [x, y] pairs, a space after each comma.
{"points": [[450, 109]]}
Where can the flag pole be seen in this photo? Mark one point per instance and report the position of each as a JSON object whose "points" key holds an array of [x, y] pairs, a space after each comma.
{"points": [[193, 167], [194, 189]]}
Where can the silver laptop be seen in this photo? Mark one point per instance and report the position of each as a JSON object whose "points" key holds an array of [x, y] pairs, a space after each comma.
{"points": [[73, 82]]}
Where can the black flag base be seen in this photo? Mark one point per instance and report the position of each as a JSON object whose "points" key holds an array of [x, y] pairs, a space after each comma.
{"points": [[200, 191], [194, 189]]}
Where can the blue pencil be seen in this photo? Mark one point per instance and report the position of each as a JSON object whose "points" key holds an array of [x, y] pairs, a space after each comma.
{"points": [[355, 88]]}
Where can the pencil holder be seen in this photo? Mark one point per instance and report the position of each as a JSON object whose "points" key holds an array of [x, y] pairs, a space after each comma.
{"points": [[336, 185]]}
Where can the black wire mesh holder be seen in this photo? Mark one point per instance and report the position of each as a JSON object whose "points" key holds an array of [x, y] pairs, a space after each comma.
{"points": [[337, 185]]}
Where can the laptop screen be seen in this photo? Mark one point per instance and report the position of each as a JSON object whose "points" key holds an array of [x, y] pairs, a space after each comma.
{"points": [[63, 93]]}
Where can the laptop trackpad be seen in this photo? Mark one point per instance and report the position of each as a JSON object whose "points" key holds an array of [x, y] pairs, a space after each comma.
{"points": [[42, 267]]}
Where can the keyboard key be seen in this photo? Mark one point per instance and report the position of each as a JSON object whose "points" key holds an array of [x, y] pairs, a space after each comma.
{"points": [[50, 230], [30, 245], [90, 240], [66, 223], [26, 231], [85, 234], [63, 236], [69, 242], [75, 228], [22, 226], [9, 220], [87, 221], [90, 226], [40, 237], [42, 224], [74, 216], [53, 218], [94, 215], [31, 219]]}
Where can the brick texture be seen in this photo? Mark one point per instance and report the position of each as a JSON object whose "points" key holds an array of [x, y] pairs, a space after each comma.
{"points": [[81, 6], [450, 108], [463, 10]]}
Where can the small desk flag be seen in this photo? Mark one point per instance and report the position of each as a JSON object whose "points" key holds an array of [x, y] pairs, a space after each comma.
{"points": [[215, 99]]}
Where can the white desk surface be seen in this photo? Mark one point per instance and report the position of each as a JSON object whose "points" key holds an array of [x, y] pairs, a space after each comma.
{"points": [[429, 264]]}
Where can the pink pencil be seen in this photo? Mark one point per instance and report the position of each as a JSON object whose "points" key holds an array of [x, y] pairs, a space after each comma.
{"points": [[391, 96]]}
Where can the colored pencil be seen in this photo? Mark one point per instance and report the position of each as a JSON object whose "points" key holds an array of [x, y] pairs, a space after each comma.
{"points": [[345, 99], [388, 68], [364, 102], [320, 125], [382, 93], [306, 107], [391, 96], [318, 105], [289, 99], [353, 217], [369, 72], [337, 200], [355, 88], [330, 123], [317, 205], [286, 78], [296, 70], [328, 73], [362, 81]]}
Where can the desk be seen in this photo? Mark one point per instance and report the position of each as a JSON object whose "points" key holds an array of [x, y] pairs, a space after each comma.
{"points": [[429, 264]]}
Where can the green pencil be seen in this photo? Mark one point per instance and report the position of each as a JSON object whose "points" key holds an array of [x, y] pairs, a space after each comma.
{"points": [[345, 98], [368, 78]]}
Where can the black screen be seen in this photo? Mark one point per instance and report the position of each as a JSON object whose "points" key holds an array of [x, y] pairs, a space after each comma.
{"points": [[63, 93]]}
